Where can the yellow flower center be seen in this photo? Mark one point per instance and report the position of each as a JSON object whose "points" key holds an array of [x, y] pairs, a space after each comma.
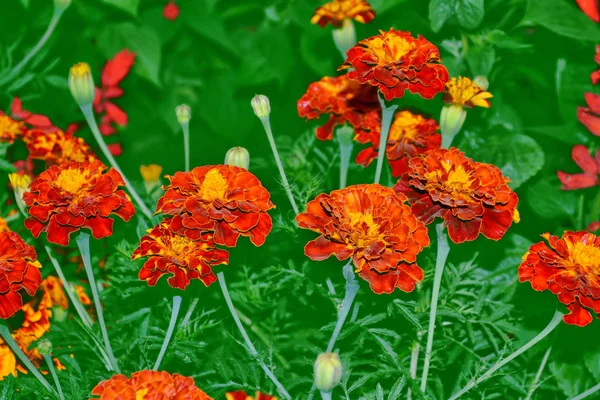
{"points": [[585, 257], [458, 178], [9, 126], [80, 69], [141, 394], [404, 126], [462, 90], [151, 172], [364, 229], [71, 180], [389, 49], [179, 244], [214, 185]]}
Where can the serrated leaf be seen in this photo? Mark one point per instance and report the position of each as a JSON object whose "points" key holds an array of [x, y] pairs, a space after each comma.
{"points": [[572, 378], [469, 13], [379, 392], [130, 6], [548, 201], [564, 18], [408, 314], [592, 362], [439, 12], [397, 389]]}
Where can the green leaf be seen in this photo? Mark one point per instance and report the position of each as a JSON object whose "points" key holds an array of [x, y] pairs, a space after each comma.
{"points": [[481, 59], [130, 6], [570, 133], [572, 378], [57, 81], [6, 166], [572, 81], [548, 201], [439, 12], [469, 13], [592, 362], [25, 3], [562, 17], [500, 39], [207, 24]]}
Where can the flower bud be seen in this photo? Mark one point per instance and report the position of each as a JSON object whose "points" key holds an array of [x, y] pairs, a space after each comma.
{"points": [[260, 105], [20, 184], [344, 37], [184, 113], [81, 84], [151, 175], [451, 121], [238, 156], [62, 5], [328, 371], [345, 136], [44, 346], [482, 82]]}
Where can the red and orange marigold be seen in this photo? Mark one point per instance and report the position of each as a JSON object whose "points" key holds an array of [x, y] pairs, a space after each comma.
{"points": [[19, 269], [395, 61], [336, 11], [10, 129], [241, 395], [225, 199], [471, 197], [570, 268], [58, 147], [371, 224], [346, 101], [146, 384], [70, 196], [464, 92], [410, 135], [176, 254]]}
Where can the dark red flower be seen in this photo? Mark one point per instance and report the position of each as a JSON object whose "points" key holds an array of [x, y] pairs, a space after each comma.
{"points": [[590, 115], [171, 11], [590, 8], [589, 165], [57, 147]]}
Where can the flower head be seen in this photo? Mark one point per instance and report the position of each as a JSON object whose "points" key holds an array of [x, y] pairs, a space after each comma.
{"points": [[471, 197], [327, 371], [183, 113], [149, 384], [176, 254], [590, 166], [57, 147], [410, 135], [222, 198], [151, 175], [238, 156], [71, 196], [20, 184], [241, 395], [261, 106], [10, 129], [336, 11], [371, 224], [395, 61], [19, 270], [570, 268], [466, 93], [590, 115], [81, 84], [8, 362], [171, 11], [346, 101], [54, 293]]}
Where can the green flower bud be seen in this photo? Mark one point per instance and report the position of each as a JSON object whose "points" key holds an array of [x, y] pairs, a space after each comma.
{"points": [[260, 105], [44, 346], [81, 84], [184, 113], [482, 82], [344, 37], [238, 156], [20, 184], [328, 371], [451, 121]]}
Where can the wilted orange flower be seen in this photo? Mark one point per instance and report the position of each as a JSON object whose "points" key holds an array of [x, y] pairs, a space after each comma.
{"points": [[410, 135], [57, 147], [346, 101], [82, 295], [54, 293], [19, 269], [471, 197], [371, 224], [176, 254], [336, 11], [241, 395], [225, 199], [146, 384], [570, 268], [395, 61], [464, 92], [71, 196], [10, 129]]}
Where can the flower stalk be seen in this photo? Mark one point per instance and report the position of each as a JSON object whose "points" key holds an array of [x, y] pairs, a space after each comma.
{"points": [[48, 359], [344, 137], [387, 114], [538, 375], [170, 329], [587, 393], [184, 114]]}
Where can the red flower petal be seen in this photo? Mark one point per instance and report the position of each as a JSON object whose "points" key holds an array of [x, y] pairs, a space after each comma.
{"points": [[116, 69]]}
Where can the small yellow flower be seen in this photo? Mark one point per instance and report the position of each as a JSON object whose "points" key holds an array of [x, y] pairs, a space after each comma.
{"points": [[20, 184], [151, 174], [464, 92], [81, 84]]}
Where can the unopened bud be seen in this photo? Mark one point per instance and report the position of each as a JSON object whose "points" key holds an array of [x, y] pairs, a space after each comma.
{"points": [[482, 82], [238, 156], [44, 346], [20, 184], [62, 5], [184, 113], [151, 175], [451, 121], [344, 37], [260, 105], [81, 84], [328, 371]]}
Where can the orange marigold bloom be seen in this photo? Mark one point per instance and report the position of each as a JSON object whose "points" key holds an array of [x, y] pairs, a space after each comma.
{"points": [[146, 384], [8, 362], [176, 254], [346, 101], [395, 61], [225, 199], [371, 224], [11, 129], [471, 197], [71, 196], [464, 92], [82, 295], [410, 135], [57, 147], [241, 395], [570, 268], [54, 293], [19, 269], [336, 11]]}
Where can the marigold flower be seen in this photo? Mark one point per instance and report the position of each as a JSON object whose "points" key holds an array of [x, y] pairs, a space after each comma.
{"points": [[590, 8], [241, 395], [471, 197], [171, 11], [20, 184], [31, 120], [346, 101], [149, 384], [71, 196], [176, 254], [19, 269], [570, 268], [8, 362], [54, 293], [371, 224], [151, 175], [590, 115], [395, 61], [10, 129], [57, 147], [222, 198], [336, 11], [590, 166], [82, 295], [464, 92], [410, 135]]}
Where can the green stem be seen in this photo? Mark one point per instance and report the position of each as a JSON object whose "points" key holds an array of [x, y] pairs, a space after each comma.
{"points": [[186, 144], [344, 136], [12, 217], [558, 316], [170, 329], [8, 339], [267, 125], [54, 375], [325, 395], [387, 114], [89, 117], [83, 242], [538, 375], [587, 393], [251, 348], [414, 361], [442, 254]]}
